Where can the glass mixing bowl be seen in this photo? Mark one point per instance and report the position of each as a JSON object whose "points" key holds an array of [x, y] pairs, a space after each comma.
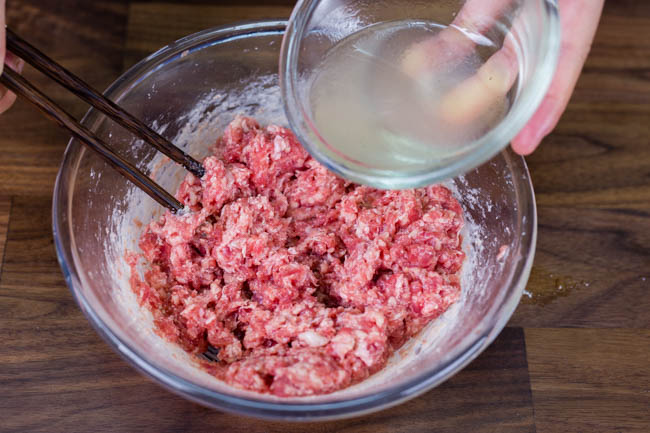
{"points": [[391, 140], [189, 91]]}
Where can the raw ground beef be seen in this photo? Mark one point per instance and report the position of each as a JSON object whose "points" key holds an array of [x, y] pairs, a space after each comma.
{"points": [[303, 282]]}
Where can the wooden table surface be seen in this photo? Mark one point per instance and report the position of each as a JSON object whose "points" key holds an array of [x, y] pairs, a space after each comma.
{"points": [[575, 356]]}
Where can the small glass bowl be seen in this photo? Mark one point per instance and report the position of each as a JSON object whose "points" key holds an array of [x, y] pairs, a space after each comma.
{"points": [[531, 28], [189, 91]]}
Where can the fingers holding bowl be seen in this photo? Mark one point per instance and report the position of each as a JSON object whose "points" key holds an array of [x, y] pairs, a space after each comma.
{"points": [[579, 20], [455, 41]]}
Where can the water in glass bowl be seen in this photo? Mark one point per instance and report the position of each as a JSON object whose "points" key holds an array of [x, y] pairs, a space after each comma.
{"points": [[384, 96]]}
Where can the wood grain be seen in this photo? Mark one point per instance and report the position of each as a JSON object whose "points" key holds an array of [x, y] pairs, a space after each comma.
{"points": [[590, 380], [31, 147], [89, 388], [591, 178], [5, 212], [56, 365], [592, 268], [31, 283], [153, 25]]}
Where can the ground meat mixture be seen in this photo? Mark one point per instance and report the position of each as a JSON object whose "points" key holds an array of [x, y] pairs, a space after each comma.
{"points": [[301, 282]]}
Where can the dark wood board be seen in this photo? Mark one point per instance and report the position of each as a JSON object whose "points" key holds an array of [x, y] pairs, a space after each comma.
{"points": [[574, 357]]}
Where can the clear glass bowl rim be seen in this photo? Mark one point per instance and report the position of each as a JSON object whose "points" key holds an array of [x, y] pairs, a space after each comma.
{"points": [[483, 150], [281, 410]]}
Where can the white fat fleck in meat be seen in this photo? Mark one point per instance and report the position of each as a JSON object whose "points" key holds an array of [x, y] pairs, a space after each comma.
{"points": [[313, 339], [280, 145]]}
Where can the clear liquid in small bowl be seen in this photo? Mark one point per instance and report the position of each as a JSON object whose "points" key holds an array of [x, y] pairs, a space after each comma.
{"points": [[382, 97]]}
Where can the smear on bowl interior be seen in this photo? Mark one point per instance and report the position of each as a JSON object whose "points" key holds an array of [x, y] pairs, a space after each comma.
{"points": [[301, 282]]}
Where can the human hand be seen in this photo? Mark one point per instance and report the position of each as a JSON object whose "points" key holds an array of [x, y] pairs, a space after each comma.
{"points": [[579, 20], [475, 95], [6, 98]]}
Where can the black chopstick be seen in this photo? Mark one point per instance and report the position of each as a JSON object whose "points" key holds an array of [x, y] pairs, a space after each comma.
{"points": [[20, 86], [49, 67]]}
